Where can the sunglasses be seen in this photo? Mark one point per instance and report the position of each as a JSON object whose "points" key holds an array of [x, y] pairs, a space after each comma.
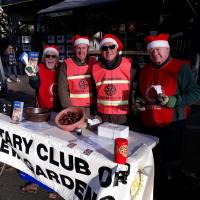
{"points": [[50, 56], [111, 47]]}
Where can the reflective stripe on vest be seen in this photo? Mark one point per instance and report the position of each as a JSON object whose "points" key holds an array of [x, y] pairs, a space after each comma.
{"points": [[80, 95], [78, 77], [112, 82], [113, 87], [112, 103], [79, 83]]}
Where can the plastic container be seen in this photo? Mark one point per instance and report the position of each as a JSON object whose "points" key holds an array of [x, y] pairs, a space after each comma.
{"points": [[120, 151]]}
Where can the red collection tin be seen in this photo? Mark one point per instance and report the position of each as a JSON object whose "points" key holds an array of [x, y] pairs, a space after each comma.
{"points": [[121, 149]]}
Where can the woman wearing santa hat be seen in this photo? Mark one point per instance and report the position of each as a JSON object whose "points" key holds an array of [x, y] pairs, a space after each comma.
{"points": [[44, 81], [165, 87], [75, 80], [113, 77]]}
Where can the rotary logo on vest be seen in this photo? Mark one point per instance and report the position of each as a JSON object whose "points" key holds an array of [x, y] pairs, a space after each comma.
{"points": [[110, 90], [83, 84]]}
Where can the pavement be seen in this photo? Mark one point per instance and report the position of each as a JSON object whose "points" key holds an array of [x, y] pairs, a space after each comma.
{"points": [[186, 186], [10, 182]]}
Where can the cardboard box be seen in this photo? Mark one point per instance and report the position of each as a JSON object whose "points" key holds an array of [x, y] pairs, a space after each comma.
{"points": [[113, 131]]}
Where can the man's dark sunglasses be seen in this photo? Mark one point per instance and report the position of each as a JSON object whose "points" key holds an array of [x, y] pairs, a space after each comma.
{"points": [[105, 48], [50, 56]]}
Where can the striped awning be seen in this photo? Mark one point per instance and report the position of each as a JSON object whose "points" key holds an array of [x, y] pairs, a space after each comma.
{"points": [[71, 4]]}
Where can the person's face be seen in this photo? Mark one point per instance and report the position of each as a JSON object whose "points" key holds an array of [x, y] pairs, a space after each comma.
{"points": [[50, 60], [10, 49], [158, 55], [81, 51], [109, 51]]}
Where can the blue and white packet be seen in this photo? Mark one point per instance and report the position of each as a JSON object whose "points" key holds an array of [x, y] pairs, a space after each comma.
{"points": [[33, 58], [17, 112]]}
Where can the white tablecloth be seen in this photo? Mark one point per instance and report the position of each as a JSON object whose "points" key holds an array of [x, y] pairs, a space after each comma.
{"points": [[72, 165]]}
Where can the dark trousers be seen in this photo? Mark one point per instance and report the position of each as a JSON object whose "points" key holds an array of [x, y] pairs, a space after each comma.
{"points": [[166, 153], [10, 69]]}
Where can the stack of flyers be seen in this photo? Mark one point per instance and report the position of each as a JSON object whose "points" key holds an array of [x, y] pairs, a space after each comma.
{"points": [[17, 112]]}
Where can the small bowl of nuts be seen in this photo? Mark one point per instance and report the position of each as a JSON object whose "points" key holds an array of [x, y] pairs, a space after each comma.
{"points": [[70, 119]]}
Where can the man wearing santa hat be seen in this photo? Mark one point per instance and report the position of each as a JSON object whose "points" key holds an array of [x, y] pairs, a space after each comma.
{"points": [[44, 78], [165, 87], [113, 78], [75, 80]]}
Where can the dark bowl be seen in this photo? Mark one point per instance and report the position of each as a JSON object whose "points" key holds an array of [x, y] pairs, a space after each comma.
{"points": [[36, 114]]}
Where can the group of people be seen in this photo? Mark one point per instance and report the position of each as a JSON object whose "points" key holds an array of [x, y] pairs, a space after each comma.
{"points": [[106, 87], [99, 87]]}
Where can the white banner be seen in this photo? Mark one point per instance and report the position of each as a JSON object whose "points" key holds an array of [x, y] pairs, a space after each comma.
{"points": [[78, 167]]}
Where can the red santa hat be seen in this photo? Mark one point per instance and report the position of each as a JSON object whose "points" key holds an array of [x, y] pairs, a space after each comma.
{"points": [[160, 40], [111, 38], [52, 48], [77, 39]]}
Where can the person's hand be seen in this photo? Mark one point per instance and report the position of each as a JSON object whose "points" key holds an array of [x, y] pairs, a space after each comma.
{"points": [[163, 99], [140, 105], [31, 70]]}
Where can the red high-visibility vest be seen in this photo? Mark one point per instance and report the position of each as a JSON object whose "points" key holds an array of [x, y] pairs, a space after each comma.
{"points": [[113, 87], [79, 82], [166, 78]]}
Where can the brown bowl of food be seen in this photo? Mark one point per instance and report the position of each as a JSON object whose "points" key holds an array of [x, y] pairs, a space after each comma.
{"points": [[36, 114], [70, 119]]}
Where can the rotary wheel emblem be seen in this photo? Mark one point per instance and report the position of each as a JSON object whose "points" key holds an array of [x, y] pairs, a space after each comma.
{"points": [[110, 90], [123, 150], [83, 84], [137, 185]]}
